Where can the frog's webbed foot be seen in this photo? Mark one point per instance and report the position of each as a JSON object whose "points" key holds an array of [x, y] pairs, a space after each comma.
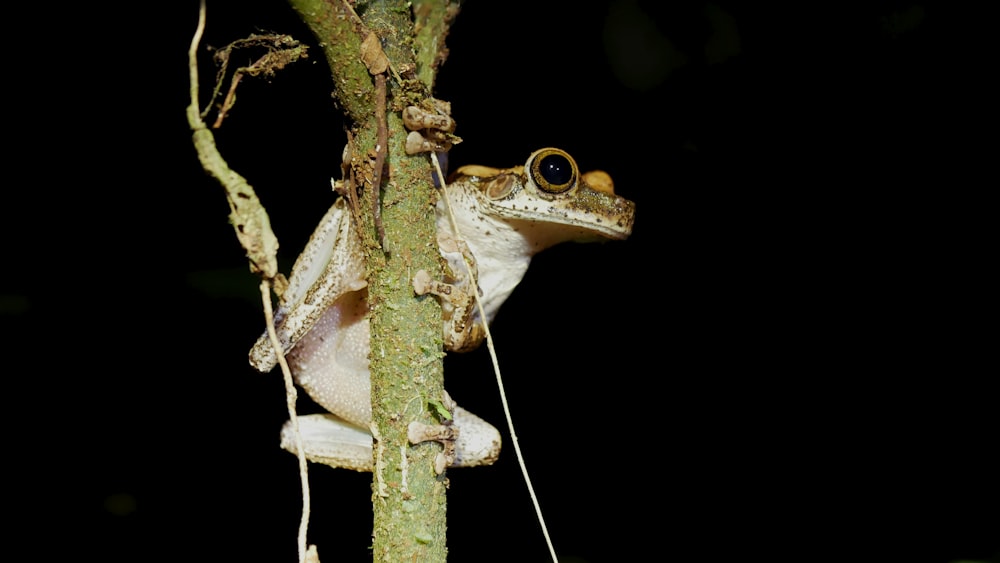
{"points": [[332, 441], [462, 330], [431, 127], [447, 434]]}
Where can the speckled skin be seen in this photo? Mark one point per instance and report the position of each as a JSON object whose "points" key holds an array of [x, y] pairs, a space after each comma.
{"points": [[504, 217]]}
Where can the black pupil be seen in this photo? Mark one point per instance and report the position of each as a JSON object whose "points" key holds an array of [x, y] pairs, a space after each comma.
{"points": [[556, 169]]}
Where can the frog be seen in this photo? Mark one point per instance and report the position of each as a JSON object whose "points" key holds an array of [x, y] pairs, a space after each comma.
{"points": [[501, 218]]}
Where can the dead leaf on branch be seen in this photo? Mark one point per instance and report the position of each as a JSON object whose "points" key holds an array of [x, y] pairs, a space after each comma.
{"points": [[373, 56]]}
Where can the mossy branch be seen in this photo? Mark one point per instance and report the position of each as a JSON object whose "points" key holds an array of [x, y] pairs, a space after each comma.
{"points": [[339, 32], [406, 340]]}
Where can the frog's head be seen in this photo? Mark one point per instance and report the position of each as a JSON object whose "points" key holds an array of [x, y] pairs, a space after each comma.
{"points": [[550, 194]]}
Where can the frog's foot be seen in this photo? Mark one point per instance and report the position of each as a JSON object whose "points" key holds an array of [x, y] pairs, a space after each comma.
{"points": [[431, 127], [436, 116], [330, 440], [423, 284], [447, 434], [461, 332]]}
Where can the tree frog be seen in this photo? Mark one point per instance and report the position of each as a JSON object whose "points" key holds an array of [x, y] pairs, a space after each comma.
{"points": [[504, 217]]}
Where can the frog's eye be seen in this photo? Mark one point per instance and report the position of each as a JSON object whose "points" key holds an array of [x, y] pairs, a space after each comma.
{"points": [[553, 171]]}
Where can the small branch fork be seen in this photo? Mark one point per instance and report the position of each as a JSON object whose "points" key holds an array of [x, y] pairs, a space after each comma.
{"points": [[253, 229]]}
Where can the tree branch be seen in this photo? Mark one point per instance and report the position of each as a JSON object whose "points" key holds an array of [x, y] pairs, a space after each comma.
{"points": [[406, 338], [339, 32]]}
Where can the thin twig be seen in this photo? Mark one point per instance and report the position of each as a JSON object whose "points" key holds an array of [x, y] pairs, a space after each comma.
{"points": [[351, 190], [248, 217], [291, 396], [254, 232], [230, 99], [380, 149]]}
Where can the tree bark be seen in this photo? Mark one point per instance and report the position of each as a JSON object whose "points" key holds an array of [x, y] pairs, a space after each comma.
{"points": [[406, 342]]}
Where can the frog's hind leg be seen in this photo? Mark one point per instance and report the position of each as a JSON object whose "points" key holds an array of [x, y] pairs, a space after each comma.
{"points": [[332, 441], [331, 361]]}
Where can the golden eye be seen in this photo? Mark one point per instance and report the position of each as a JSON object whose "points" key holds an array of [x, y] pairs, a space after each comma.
{"points": [[553, 171]]}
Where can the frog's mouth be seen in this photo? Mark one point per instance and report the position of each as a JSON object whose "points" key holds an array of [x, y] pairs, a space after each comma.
{"points": [[595, 212]]}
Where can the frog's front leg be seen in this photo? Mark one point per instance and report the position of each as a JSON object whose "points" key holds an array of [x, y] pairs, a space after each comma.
{"points": [[331, 266], [463, 329]]}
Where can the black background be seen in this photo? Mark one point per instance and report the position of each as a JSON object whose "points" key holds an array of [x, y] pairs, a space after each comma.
{"points": [[788, 359]]}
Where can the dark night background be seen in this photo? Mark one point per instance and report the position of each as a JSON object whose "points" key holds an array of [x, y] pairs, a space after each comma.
{"points": [[789, 359]]}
